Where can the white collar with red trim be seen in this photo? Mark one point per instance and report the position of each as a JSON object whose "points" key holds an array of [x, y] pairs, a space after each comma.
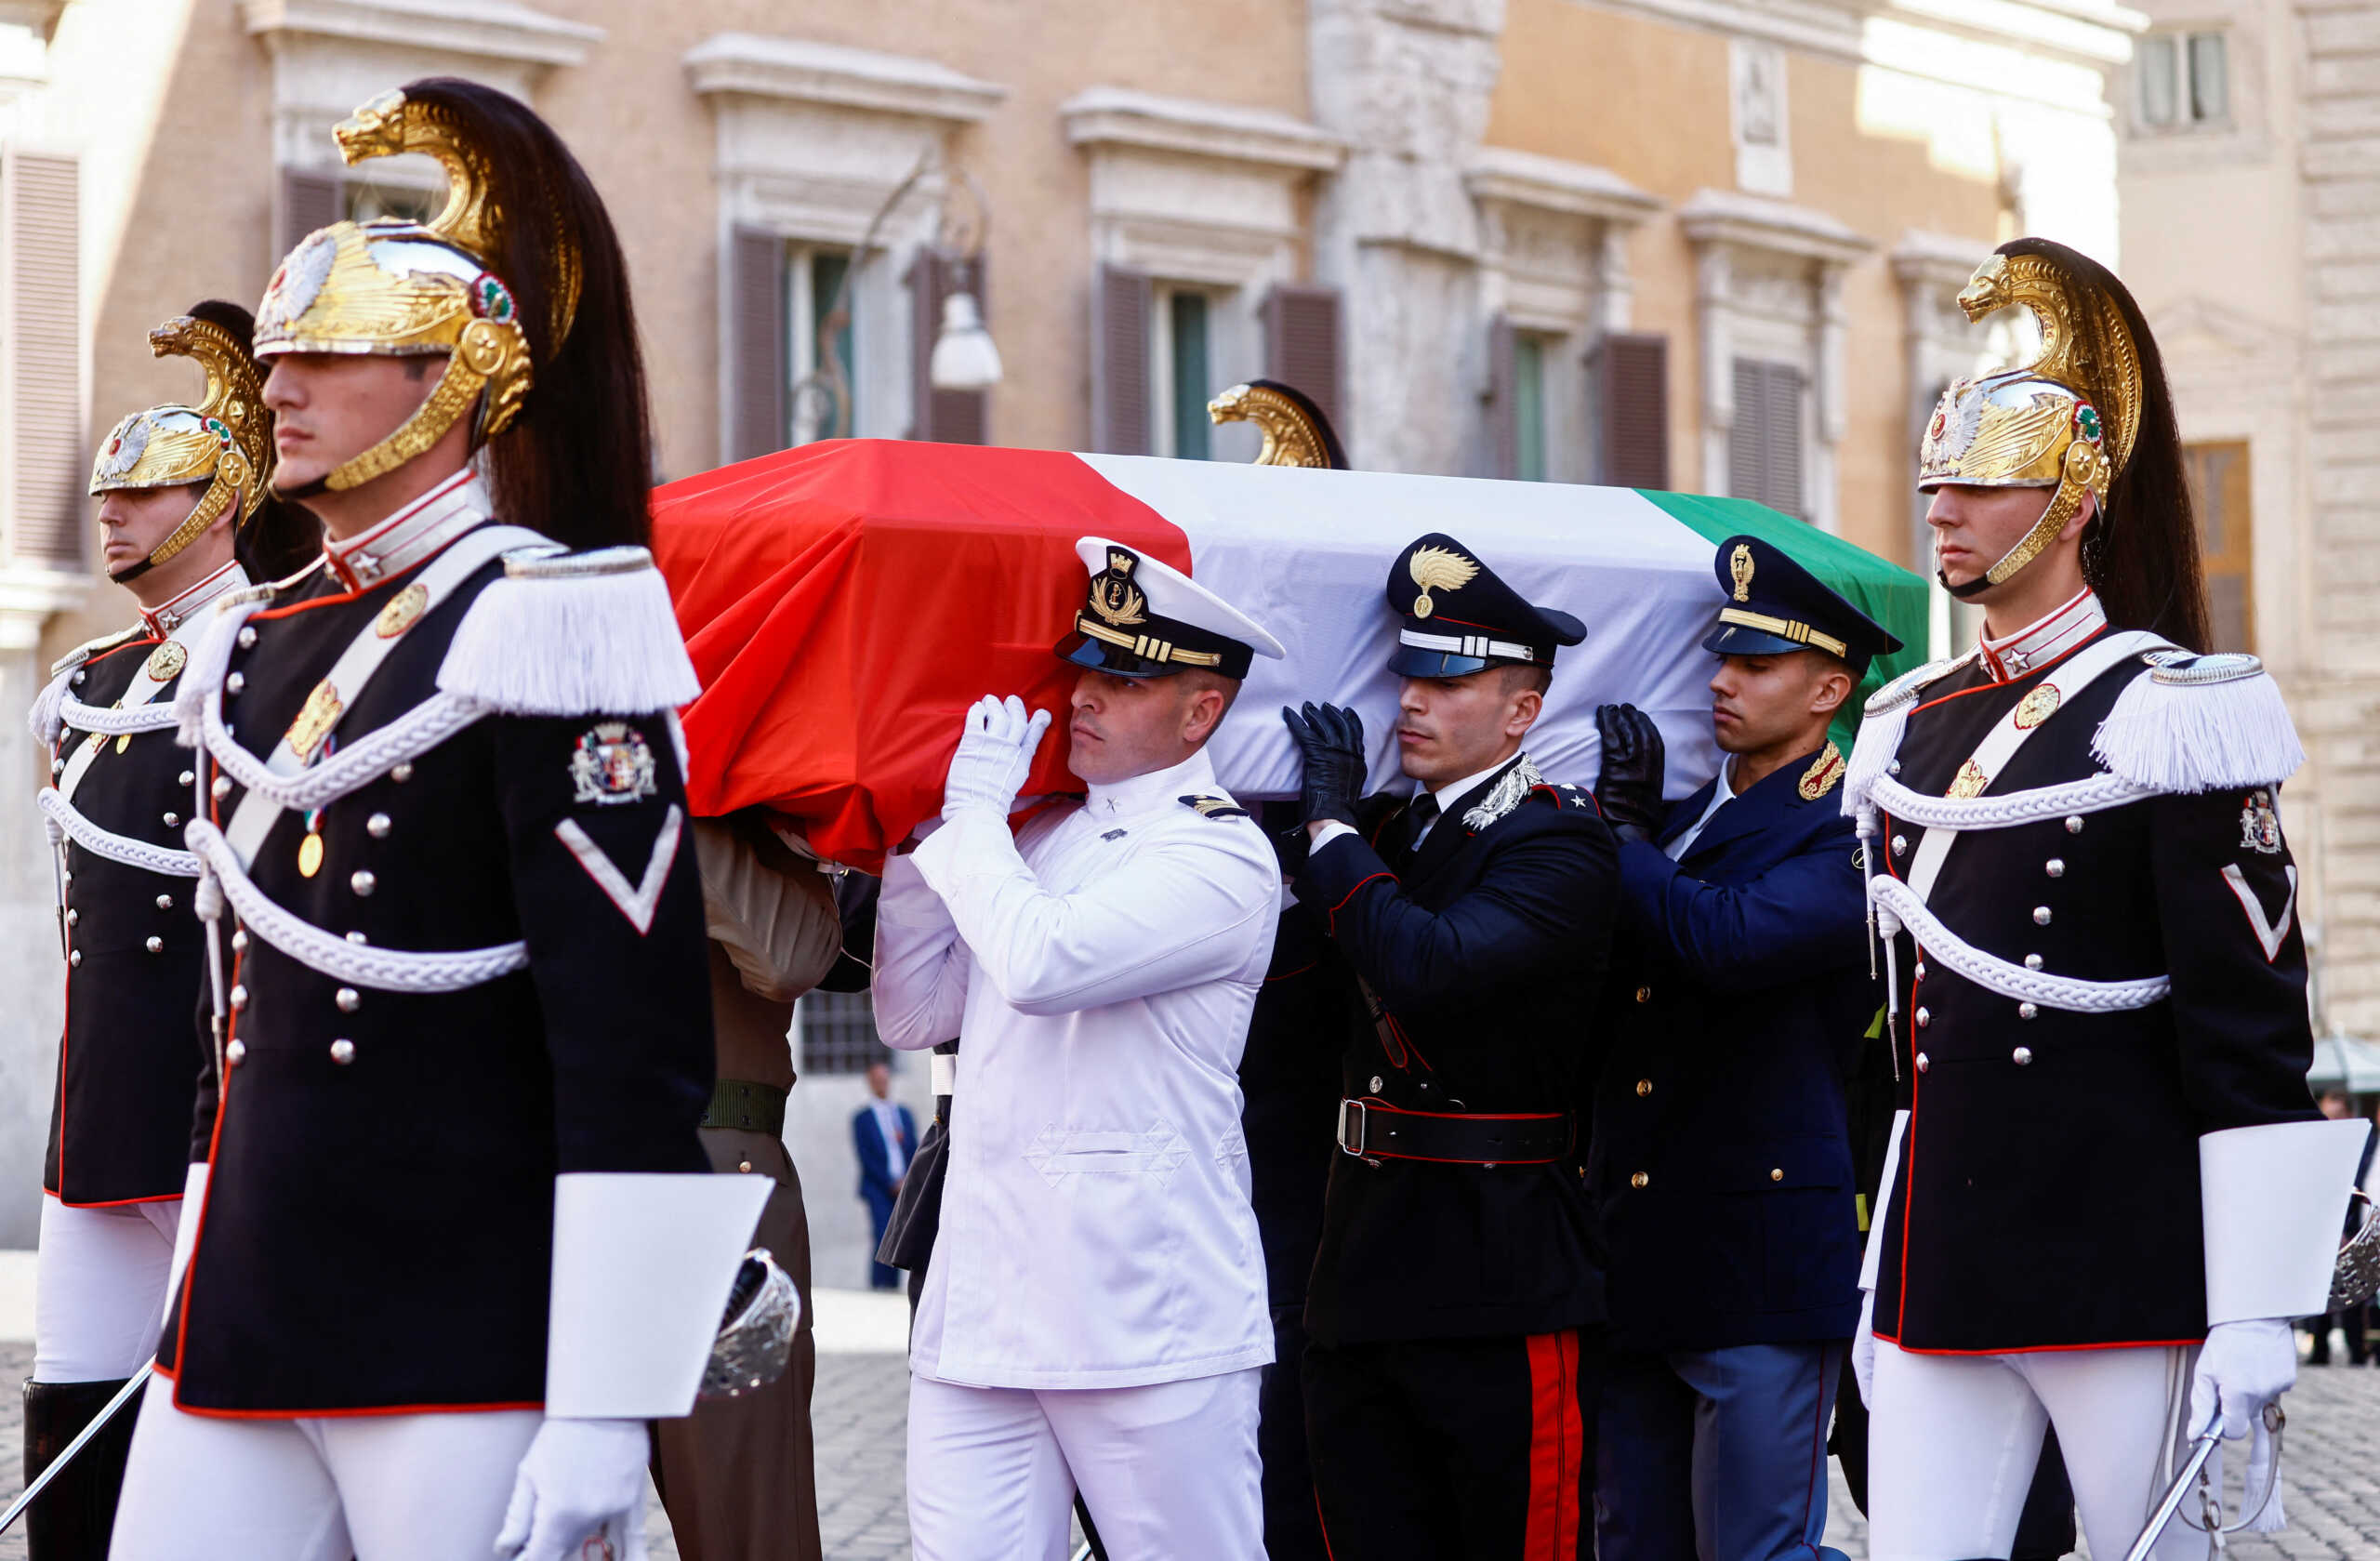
{"points": [[413, 535], [170, 615], [2039, 643]]}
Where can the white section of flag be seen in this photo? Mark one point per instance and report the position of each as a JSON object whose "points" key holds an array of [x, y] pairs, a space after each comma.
{"points": [[1307, 553]]}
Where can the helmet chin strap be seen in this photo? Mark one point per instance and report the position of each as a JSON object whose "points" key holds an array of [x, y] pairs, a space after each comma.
{"points": [[486, 347], [2084, 462], [209, 508]]}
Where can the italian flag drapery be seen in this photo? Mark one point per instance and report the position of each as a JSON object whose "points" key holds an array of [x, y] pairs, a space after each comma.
{"points": [[845, 602]]}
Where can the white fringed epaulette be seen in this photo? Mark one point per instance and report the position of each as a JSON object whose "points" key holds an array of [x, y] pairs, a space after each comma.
{"points": [[1882, 721], [44, 722], [571, 634], [2192, 723]]}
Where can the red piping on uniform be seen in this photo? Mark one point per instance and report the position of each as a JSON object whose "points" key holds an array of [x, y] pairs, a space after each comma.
{"points": [[1285, 975], [1326, 1554], [103, 1203], [2035, 673], [2048, 1349], [213, 1146], [127, 645], [1334, 910], [1555, 1447], [351, 1414]]}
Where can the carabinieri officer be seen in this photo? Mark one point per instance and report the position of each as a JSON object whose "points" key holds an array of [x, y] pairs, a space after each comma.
{"points": [[1451, 1372], [1720, 1160]]}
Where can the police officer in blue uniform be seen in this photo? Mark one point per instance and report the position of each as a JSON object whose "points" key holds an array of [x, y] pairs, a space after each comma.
{"points": [[1454, 1312], [1720, 1162]]}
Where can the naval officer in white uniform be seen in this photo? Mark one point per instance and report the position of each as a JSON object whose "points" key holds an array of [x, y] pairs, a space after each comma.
{"points": [[1094, 1315]]}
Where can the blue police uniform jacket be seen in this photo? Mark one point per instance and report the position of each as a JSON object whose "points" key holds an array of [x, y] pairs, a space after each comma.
{"points": [[1720, 1163]]}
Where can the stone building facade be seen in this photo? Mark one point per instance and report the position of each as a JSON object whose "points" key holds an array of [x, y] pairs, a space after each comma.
{"points": [[2250, 159], [1708, 245]]}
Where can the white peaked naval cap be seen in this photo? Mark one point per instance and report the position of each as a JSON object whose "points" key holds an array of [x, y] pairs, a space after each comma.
{"points": [[1145, 618]]}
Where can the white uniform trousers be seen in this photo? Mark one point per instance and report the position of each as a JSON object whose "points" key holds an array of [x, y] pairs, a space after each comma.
{"points": [[99, 1287], [1168, 1471], [1952, 1441], [377, 1487]]}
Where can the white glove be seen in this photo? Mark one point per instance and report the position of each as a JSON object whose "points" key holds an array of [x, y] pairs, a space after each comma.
{"points": [[2245, 1366], [581, 1485], [1863, 1349], [995, 754]]}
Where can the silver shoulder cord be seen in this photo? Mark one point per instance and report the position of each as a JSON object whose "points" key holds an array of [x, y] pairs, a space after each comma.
{"points": [[2354, 1280]]}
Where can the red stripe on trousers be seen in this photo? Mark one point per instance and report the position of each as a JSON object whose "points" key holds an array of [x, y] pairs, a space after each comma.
{"points": [[1556, 1445]]}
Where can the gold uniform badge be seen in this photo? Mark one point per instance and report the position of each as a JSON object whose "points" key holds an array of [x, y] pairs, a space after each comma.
{"points": [[1438, 569]]}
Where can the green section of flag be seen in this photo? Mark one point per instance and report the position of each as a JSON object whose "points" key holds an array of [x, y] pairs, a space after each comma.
{"points": [[1885, 591]]}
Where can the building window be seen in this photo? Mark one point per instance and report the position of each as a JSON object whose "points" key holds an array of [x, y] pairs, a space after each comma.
{"points": [[2218, 479], [836, 1033], [813, 278], [1765, 440], [2184, 81], [368, 199], [1181, 374], [1529, 407]]}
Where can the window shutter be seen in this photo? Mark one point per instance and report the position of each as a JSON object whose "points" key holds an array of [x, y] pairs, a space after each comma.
{"points": [[950, 417], [41, 396], [308, 199], [1746, 436], [1499, 415], [1782, 432], [1630, 382], [1120, 362], [1301, 345], [756, 344]]}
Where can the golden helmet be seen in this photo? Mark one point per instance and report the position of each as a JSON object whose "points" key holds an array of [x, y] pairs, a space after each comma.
{"points": [[225, 441]]}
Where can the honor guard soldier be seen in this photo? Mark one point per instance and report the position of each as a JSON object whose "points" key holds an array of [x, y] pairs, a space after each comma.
{"points": [[1721, 1163], [1452, 1319], [182, 503], [2100, 983], [1094, 1315], [453, 1239]]}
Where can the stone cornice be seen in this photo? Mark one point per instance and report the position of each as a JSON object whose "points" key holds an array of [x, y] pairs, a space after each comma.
{"points": [[798, 71], [29, 594], [1116, 116], [1777, 227], [1524, 179], [490, 29], [1937, 260], [2088, 31]]}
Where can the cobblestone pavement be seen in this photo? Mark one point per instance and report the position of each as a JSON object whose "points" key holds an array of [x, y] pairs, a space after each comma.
{"points": [[2331, 1480]]}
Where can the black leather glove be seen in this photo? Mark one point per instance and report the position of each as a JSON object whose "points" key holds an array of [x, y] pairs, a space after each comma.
{"points": [[1629, 788], [1331, 743]]}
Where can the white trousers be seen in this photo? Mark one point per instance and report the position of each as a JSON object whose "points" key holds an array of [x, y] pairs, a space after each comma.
{"points": [[1952, 1441], [1168, 1471], [99, 1287], [377, 1487]]}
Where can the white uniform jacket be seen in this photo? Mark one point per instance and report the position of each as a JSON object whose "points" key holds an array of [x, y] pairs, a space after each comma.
{"points": [[1099, 967]]}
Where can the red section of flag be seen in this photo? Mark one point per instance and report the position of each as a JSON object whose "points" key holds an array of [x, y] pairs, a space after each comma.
{"points": [[846, 602]]}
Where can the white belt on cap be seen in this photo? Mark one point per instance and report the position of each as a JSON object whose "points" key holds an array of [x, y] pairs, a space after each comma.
{"points": [[1466, 644]]}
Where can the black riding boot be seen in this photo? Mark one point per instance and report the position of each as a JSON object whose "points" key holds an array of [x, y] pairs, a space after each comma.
{"points": [[71, 1520]]}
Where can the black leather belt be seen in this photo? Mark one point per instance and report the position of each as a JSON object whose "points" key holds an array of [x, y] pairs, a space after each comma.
{"points": [[1374, 1130], [741, 1103]]}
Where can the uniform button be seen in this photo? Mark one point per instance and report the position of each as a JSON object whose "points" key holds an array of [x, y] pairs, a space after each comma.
{"points": [[1644, 1085], [2073, 824], [1923, 1062], [362, 882], [1644, 994], [1639, 1180], [236, 1053], [2055, 868], [1921, 970], [79, 677], [172, 819], [221, 788], [402, 773], [348, 999], [2032, 961], [1375, 1084], [247, 638], [164, 902], [1894, 767], [73, 917], [1923, 1018], [2028, 1010], [342, 1052], [377, 826], [75, 958], [2022, 1056], [2041, 916], [187, 777], [154, 944], [236, 682], [239, 998], [58, 766], [240, 941], [1777, 1175], [358, 939], [743, 1166], [1900, 845]]}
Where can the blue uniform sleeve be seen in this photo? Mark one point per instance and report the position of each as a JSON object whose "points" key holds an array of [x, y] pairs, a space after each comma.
{"points": [[1807, 916]]}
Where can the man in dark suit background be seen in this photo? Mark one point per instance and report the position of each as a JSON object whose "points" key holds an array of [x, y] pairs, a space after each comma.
{"points": [[885, 1135], [1720, 1160]]}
